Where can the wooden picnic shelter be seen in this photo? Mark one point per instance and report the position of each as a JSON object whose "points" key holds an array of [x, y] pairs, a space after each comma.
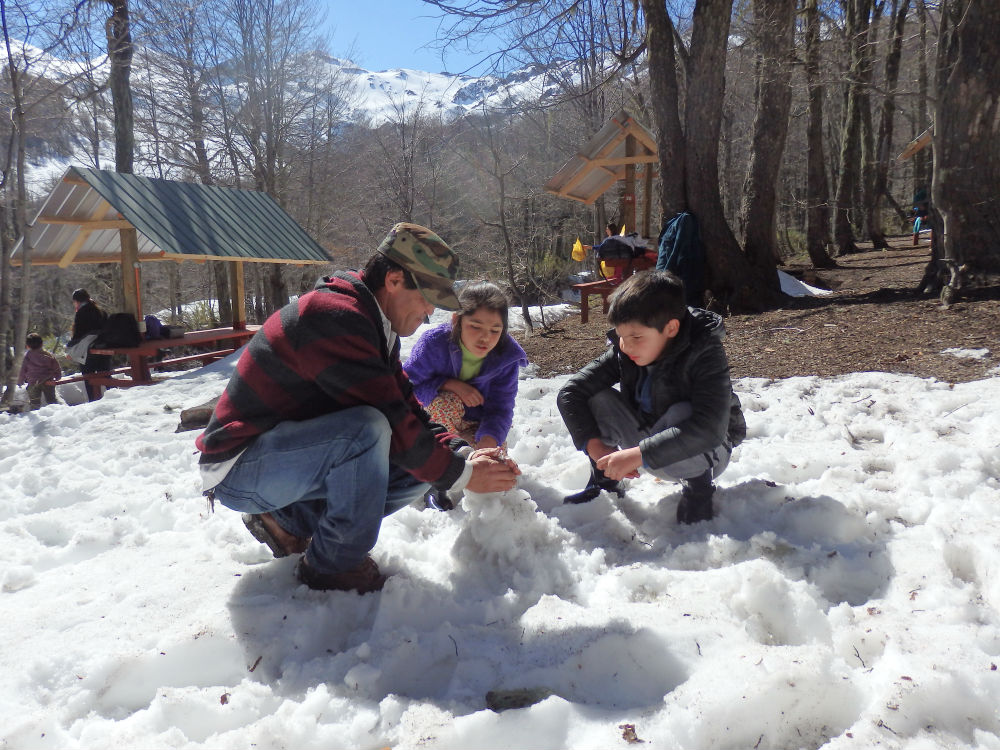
{"points": [[100, 216], [612, 155]]}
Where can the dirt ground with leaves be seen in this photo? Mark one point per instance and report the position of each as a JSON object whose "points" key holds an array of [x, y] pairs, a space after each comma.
{"points": [[874, 320]]}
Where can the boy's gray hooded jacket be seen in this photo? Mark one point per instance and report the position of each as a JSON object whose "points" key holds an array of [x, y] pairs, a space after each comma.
{"points": [[693, 368]]}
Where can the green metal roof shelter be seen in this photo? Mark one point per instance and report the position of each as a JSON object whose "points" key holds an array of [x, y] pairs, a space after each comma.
{"points": [[99, 216]]}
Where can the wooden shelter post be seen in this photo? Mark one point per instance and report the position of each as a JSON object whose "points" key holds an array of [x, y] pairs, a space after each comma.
{"points": [[647, 203], [628, 195], [238, 288], [130, 273]]}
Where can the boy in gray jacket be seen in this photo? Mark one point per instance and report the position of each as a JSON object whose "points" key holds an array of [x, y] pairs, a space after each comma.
{"points": [[674, 413]]}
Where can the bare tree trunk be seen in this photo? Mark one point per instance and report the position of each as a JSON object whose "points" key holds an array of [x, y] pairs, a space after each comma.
{"points": [[773, 29], [734, 282], [880, 171], [921, 159], [666, 107], [858, 14], [966, 133], [817, 187], [120, 53]]}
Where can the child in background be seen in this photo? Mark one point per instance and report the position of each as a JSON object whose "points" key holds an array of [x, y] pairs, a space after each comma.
{"points": [[464, 373], [37, 367]]}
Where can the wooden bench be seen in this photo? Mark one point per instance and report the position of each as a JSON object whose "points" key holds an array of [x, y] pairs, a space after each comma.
{"points": [[142, 358], [604, 287]]}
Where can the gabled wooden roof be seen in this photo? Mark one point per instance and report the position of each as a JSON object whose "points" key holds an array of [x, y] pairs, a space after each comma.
{"points": [[601, 162], [80, 219]]}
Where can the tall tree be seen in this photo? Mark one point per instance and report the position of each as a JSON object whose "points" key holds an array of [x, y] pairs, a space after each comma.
{"points": [[773, 30], [857, 26], [120, 51], [879, 177], [817, 186], [966, 132], [735, 283]]}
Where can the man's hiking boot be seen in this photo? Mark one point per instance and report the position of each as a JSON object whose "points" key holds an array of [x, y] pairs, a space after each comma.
{"points": [[595, 484], [696, 499], [364, 578], [267, 531], [436, 499]]}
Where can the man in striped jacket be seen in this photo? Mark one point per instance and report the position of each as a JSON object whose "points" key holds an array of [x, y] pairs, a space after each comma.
{"points": [[318, 435]]}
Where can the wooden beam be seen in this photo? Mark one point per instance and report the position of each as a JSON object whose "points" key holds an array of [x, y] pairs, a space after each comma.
{"points": [[74, 248], [625, 160], [238, 288], [647, 204], [628, 195], [88, 225], [71, 252], [129, 239]]}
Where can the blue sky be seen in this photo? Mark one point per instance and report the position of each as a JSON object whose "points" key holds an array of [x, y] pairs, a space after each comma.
{"points": [[392, 34]]}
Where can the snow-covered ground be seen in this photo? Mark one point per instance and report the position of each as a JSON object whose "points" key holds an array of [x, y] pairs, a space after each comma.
{"points": [[847, 595]]}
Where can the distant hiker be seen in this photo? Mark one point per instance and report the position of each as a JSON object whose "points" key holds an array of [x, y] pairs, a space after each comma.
{"points": [[318, 435], [464, 373], [676, 414], [921, 210], [87, 324], [37, 367]]}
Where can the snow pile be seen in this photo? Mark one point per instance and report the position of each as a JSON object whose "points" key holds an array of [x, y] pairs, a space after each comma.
{"points": [[967, 353], [793, 287], [847, 595]]}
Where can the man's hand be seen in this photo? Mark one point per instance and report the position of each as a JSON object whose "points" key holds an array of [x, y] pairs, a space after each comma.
{"points": [[621, 464], [469, 395], [492, 471]]}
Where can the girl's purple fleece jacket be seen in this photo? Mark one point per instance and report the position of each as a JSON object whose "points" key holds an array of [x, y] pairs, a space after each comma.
{"points": [[436, 358]]}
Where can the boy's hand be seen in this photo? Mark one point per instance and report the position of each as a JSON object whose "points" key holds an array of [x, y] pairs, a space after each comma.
{"points": [[621, 464], [470, 396]]}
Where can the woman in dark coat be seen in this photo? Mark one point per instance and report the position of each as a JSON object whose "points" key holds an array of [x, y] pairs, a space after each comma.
{"points": [[89, 319]]}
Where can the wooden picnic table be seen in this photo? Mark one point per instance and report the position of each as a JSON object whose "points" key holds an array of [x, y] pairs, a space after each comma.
{"points": [[605, 287], [142, 358]]}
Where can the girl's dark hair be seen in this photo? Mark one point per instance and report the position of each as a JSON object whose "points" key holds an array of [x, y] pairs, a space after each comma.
{"points": [[650, 298], [477, 294], [80, 295]]}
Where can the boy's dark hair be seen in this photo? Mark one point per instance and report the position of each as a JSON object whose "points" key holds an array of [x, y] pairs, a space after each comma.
{"points": [[477, 294], [34, 341], [81, 295], [376, 269], [650, 298]]}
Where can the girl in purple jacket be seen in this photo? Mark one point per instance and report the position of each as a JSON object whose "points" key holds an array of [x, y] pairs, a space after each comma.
{"points": [[464, 373]]}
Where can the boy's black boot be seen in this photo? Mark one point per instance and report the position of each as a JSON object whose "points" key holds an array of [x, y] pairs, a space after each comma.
{"points": [[696, 499], [594, 486]]}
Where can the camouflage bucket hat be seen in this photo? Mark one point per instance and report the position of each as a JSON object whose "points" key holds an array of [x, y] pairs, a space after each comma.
{"points": [[429, 260]]}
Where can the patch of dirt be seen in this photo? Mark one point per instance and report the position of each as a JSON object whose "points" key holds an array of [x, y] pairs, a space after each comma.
{"points": [[874, 320]]}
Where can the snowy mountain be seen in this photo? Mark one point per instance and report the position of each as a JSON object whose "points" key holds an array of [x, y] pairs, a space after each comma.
{"points": [[379, 94]]}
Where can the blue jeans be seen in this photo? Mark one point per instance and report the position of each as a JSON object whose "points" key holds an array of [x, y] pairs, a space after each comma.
{"points": [[328, 478]]}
